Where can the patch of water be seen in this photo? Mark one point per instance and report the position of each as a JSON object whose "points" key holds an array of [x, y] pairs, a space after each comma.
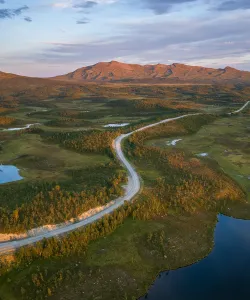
{"points": [[116, 125], [9, 174], [223, 274], [174, 142], [202, 154]]}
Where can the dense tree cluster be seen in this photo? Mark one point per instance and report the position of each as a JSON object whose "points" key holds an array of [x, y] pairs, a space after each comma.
{"points": [[69, 113], [75, 243], [95, 142], [85, 141], [3, 110], [67, 122], [57, 205], [165, 105], [32, 91], [186, 183], [42, 281], [149, 207], [6, 120]]}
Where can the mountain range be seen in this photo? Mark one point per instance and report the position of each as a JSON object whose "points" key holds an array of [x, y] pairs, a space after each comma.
{"points": [[120, 72], [115, 71]]}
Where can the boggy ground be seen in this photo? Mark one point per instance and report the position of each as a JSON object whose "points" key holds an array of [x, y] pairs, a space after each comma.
{"points": [[225, 141], [119, 266], [164, 231]]}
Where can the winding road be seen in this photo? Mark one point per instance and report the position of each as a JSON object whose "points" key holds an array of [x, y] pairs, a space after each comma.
{"points": [[239, 110], [132, 189]]}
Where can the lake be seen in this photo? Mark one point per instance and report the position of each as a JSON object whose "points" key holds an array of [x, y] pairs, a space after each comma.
{"points": [[224, 274], [9, 174]]}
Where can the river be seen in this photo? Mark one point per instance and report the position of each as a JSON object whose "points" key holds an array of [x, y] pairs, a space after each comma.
{"points": [[223, 274]]}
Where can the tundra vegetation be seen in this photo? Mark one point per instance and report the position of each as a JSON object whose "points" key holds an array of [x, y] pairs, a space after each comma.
{"points": [[69, 167]]}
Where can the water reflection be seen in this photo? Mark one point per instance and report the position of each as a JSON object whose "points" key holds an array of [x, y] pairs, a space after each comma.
{"points": [[224, 274]]}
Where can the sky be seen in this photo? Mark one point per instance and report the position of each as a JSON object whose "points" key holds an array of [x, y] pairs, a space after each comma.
{"points": [[50, 37]]}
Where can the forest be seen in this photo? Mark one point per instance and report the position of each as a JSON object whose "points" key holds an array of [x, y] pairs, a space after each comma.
{"points": [[51, 204], [33, 93], [184, 182], [4, 121]]}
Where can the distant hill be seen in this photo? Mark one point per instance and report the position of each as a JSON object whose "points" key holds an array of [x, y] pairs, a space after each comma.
{"points": [[7, 75], [116, 71]]}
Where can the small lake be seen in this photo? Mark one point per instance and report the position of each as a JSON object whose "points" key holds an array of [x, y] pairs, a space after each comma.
{"points": [[9, 174], [116, 125], [224, 274], [174, 142]]}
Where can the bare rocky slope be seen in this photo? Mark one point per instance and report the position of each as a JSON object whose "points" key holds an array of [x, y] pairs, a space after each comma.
{"points": [[116, 71], [120, 72]]}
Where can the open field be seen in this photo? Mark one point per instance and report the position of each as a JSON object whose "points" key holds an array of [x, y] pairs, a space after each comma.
{"points": [[42, 161], [38, 160]]}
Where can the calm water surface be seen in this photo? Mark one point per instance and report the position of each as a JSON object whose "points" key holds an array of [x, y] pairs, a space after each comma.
{"points": [[9, 174], [224, 274]]}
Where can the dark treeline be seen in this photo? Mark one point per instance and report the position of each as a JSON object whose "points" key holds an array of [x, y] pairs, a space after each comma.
{"points": [[4, 110], [73, 244], [183, 126], [67, 122], [153, 105], [33, 91], [49, 203], [77, 241], [30, 205], [185, 183], [6, 121], [85, 141], [92, 141]]}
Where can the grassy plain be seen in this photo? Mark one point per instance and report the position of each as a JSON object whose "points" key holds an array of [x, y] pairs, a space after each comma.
{"points": [[38, 160]]}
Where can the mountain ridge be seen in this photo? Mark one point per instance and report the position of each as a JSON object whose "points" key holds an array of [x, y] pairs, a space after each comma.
{"points": [[114, 71], [117, 71]]}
